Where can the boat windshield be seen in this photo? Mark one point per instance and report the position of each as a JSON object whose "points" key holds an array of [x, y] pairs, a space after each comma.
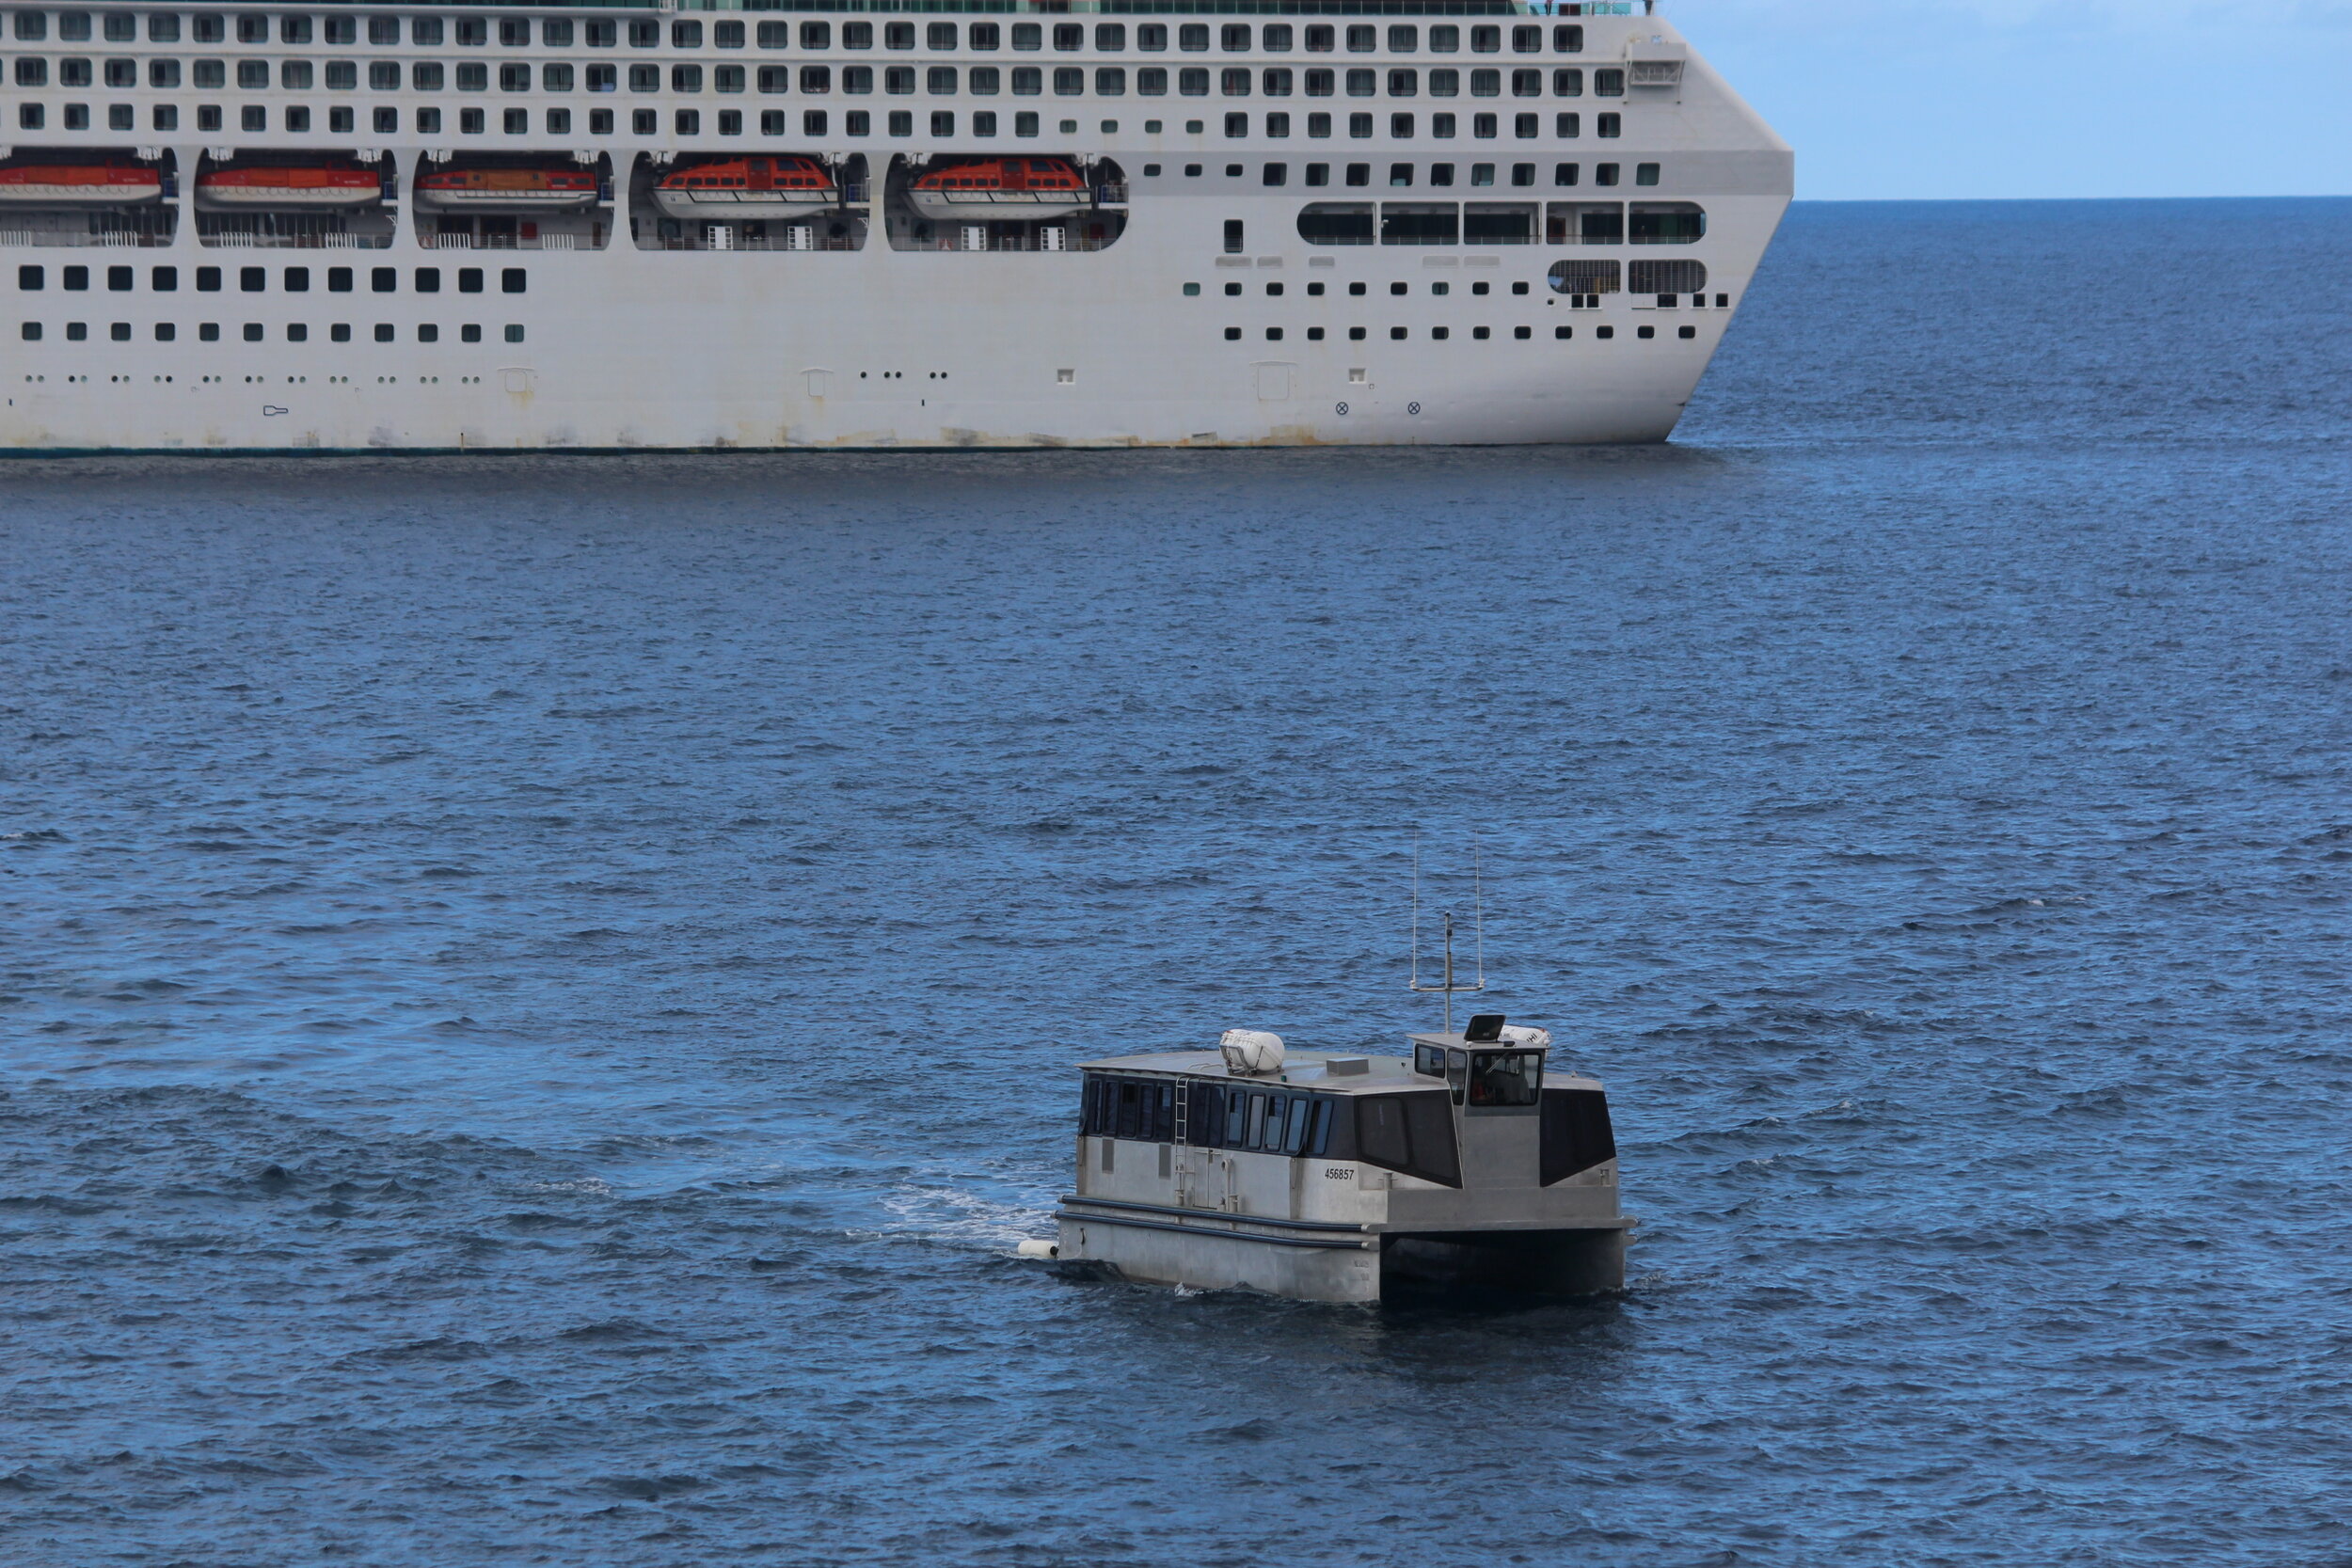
{"points": [[1506, 1077]]}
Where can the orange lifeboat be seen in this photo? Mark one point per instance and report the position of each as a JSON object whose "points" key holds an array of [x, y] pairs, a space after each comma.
{"points": [[300, 187], [507, 190], [747, 190], [1001, 189], [80, 185]]}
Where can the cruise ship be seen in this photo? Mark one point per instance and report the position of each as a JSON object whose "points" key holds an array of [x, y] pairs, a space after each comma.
{"points": [[712, 224]]}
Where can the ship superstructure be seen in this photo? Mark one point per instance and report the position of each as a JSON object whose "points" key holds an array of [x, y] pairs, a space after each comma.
{"points": [[887, 223]]}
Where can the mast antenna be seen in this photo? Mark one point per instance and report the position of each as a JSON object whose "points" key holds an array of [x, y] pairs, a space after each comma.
{"points": [[1448, 989]]}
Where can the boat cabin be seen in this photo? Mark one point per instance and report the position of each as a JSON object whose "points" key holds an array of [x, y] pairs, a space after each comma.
{"points": [[1324, 1176]]}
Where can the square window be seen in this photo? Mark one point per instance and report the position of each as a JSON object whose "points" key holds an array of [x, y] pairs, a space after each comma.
{"points": [[1354, 334], [208, 332], [383, 332], [1523, 333], [339, 332], [297, 333], [253, 332], [1232, 334], [428, 334], [514, 334], [1314, 334], [469, 333]]}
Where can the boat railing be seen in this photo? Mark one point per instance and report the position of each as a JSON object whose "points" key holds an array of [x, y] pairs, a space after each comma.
{"points": [[237, 241], [71, 240], [503, 242], [769, 242], [1033, 239]]}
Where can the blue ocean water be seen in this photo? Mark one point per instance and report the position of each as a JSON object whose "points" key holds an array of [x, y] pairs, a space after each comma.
{"points": [[538, 995]]}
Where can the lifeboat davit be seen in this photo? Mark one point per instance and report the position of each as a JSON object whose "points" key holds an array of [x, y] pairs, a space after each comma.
{"points": [[301, 187], [81, 184], [747, 190], [507, 190], [1000, 190]]}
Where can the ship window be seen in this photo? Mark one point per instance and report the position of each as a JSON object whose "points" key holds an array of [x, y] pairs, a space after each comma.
{"points": [[815, 79], [428, 280], [297, 281], [1362, 41], [899, 79], [1320, 83], [383, 332], [468, 281], [1667, 278], [689, 122], [1403, 82], [1336, 222], [469, 333], [32, 26], [32, 332], [1605, 174], [813, 122], [1445, 82], [428, 334], [984, 80], [514, 78], [897, 34], [1069, 81], [1645, 174], [1027, 36], [686, 35], [76, 331], [1320, 39], [1193, 36], [1588, 278], [1027, 81], [425, 76], [1362, 82], [1110, 81], [253, 332], [683, 78], [1505, 1078], [1256, 1127]]}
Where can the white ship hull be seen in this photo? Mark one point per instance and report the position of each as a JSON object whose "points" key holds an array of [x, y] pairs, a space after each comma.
{"points": [[994, 206], [250, 199], [505, 201], [648, 343], [729, 206], [79, 195]]}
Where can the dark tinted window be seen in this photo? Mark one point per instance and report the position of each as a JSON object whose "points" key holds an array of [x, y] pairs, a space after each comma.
{"points": [[1576, 1132], [1412, 1132]]}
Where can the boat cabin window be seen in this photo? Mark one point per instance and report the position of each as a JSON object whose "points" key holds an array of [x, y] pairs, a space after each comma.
{"points": [[1429, 1060], [1505, 1078]]}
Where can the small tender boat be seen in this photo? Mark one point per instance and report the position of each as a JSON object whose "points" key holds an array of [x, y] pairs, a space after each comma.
{"points": [[507, 190], [747, 190], [1001, 190], [302, 187], [1326, 1176], [106, 184]]}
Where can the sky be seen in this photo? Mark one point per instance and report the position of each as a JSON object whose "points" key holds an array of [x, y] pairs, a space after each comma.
{"points": [[1895, 100]]}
